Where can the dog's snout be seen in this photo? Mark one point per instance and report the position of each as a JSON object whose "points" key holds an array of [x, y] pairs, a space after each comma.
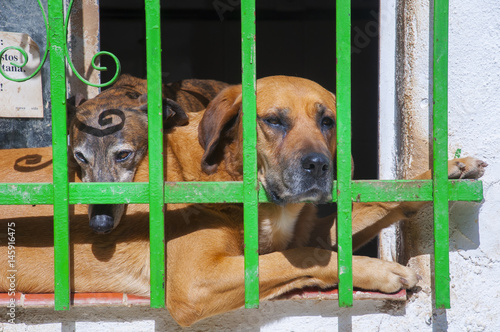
{"points": [[102, 224], [101, 218], [316, 164]]}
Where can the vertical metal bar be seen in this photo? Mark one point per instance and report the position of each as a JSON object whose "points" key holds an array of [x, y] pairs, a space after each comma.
{"points": [[440, 154], [250, 182], [155, 136], [57, 44], [344, 200]]}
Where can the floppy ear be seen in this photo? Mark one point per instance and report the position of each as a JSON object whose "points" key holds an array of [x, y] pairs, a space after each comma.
{"points": [[218, 126], [173, 113]]}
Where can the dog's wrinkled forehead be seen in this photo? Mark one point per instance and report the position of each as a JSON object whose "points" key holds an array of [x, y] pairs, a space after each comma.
{"points": [[108, 112], [294, 93]]}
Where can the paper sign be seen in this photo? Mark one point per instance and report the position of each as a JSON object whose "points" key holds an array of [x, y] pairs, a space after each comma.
{"points": [[20, 99]]}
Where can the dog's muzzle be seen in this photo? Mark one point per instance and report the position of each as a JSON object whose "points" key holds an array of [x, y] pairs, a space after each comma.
{"points": [[101, 218], [306, 179], [315, 165]]}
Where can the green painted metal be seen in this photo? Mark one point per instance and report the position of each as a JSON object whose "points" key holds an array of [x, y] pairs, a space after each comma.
{"points": [[440, 155], [413, 190], [226, 192], [155, 138], [106, 193], [344, 190], [204, 192], [26, 193], [57, 42], [25, 55], [250, 182], [440, 190], [96, 67]]}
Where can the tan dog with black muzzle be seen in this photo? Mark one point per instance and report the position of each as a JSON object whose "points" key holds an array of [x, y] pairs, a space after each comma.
{"points": [[205, 264]]}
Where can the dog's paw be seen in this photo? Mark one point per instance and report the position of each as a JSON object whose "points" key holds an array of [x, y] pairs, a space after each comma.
{"points": [[466, 168], [379, 275]]}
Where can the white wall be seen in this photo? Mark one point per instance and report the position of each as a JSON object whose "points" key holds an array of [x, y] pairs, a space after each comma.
{"points": [[475, 228]]}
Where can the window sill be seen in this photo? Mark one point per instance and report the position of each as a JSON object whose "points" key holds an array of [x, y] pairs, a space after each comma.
{"points": [[333, 294], [126, 300], [77, 299]]}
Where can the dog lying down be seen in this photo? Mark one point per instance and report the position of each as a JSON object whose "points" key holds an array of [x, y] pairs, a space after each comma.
{"points": [[108, 140], [205, 268]]}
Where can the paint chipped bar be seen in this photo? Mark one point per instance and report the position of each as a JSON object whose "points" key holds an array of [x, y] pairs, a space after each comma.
{"points": [[60, 193]]}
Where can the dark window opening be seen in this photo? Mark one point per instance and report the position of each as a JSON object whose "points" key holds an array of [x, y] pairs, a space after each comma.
{"points": [[201, 39]]}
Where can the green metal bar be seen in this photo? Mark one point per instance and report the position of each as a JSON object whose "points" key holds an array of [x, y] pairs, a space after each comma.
{"points": [[204, 192], [57, 42], [440, 155], [440, 190], [232, 192], [25, 56], [344, 190], [469, 190], [109, 193], [155, 146], [26, 193], [225, 192], [93, 62], [413, 190], [250, 182]]}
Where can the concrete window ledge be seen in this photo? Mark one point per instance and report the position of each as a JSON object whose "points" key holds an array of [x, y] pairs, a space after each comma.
{"points": [[127, 300], [333, 294], [77, 299]]}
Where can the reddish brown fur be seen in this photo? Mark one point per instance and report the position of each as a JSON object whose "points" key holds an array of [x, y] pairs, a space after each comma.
{"points": [[205, 274]]}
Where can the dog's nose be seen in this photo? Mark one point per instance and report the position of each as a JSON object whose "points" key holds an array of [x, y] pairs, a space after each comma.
{"points": [[102, 224], [316, 164]]}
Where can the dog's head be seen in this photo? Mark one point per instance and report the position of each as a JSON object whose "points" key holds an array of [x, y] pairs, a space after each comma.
{"points": [[108, 139], [296, 137]]}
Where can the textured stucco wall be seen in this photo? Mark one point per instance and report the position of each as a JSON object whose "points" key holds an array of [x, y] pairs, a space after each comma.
{"points": [[475, 228]]}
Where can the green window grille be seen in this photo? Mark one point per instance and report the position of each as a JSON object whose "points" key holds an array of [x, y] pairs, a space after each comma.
{"points": [[156, 192]]}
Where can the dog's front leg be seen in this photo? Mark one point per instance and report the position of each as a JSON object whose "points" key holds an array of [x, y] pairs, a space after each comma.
{"points": [[370, 218], [220, 288]]}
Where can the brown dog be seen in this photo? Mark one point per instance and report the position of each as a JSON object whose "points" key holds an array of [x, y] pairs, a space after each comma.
{"points": [[205, 268], [108, 139]]}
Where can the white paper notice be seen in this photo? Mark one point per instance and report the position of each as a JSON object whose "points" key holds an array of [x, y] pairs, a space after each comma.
{"points": [[20, 99]]}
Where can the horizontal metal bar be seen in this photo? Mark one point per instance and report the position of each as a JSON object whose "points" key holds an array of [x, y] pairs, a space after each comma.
{"points": [[204, 192], [413, 190], [109, 193], [26, 193], [225, 192]]}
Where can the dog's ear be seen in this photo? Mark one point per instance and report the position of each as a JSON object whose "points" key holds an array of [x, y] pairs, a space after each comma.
{"points": [[71, 104], [218, 127], [173, 114]]}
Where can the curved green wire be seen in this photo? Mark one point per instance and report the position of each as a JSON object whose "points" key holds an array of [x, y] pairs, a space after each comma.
{"points": [[98, 68], [25, 55], [37, 70]]}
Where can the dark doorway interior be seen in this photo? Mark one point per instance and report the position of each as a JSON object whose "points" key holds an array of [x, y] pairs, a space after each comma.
{"points": [[201, 39]]}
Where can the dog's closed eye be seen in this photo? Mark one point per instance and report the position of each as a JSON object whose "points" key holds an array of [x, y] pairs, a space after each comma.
{"points": [[275, 122]]}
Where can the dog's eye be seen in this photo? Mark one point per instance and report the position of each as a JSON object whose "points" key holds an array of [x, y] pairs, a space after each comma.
{"points": [[123, 155], [133, 95], [274, 121], [327, 123], [79, 156]]}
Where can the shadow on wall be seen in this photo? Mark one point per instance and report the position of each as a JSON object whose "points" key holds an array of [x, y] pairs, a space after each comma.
{"points": [[464, 229]]}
